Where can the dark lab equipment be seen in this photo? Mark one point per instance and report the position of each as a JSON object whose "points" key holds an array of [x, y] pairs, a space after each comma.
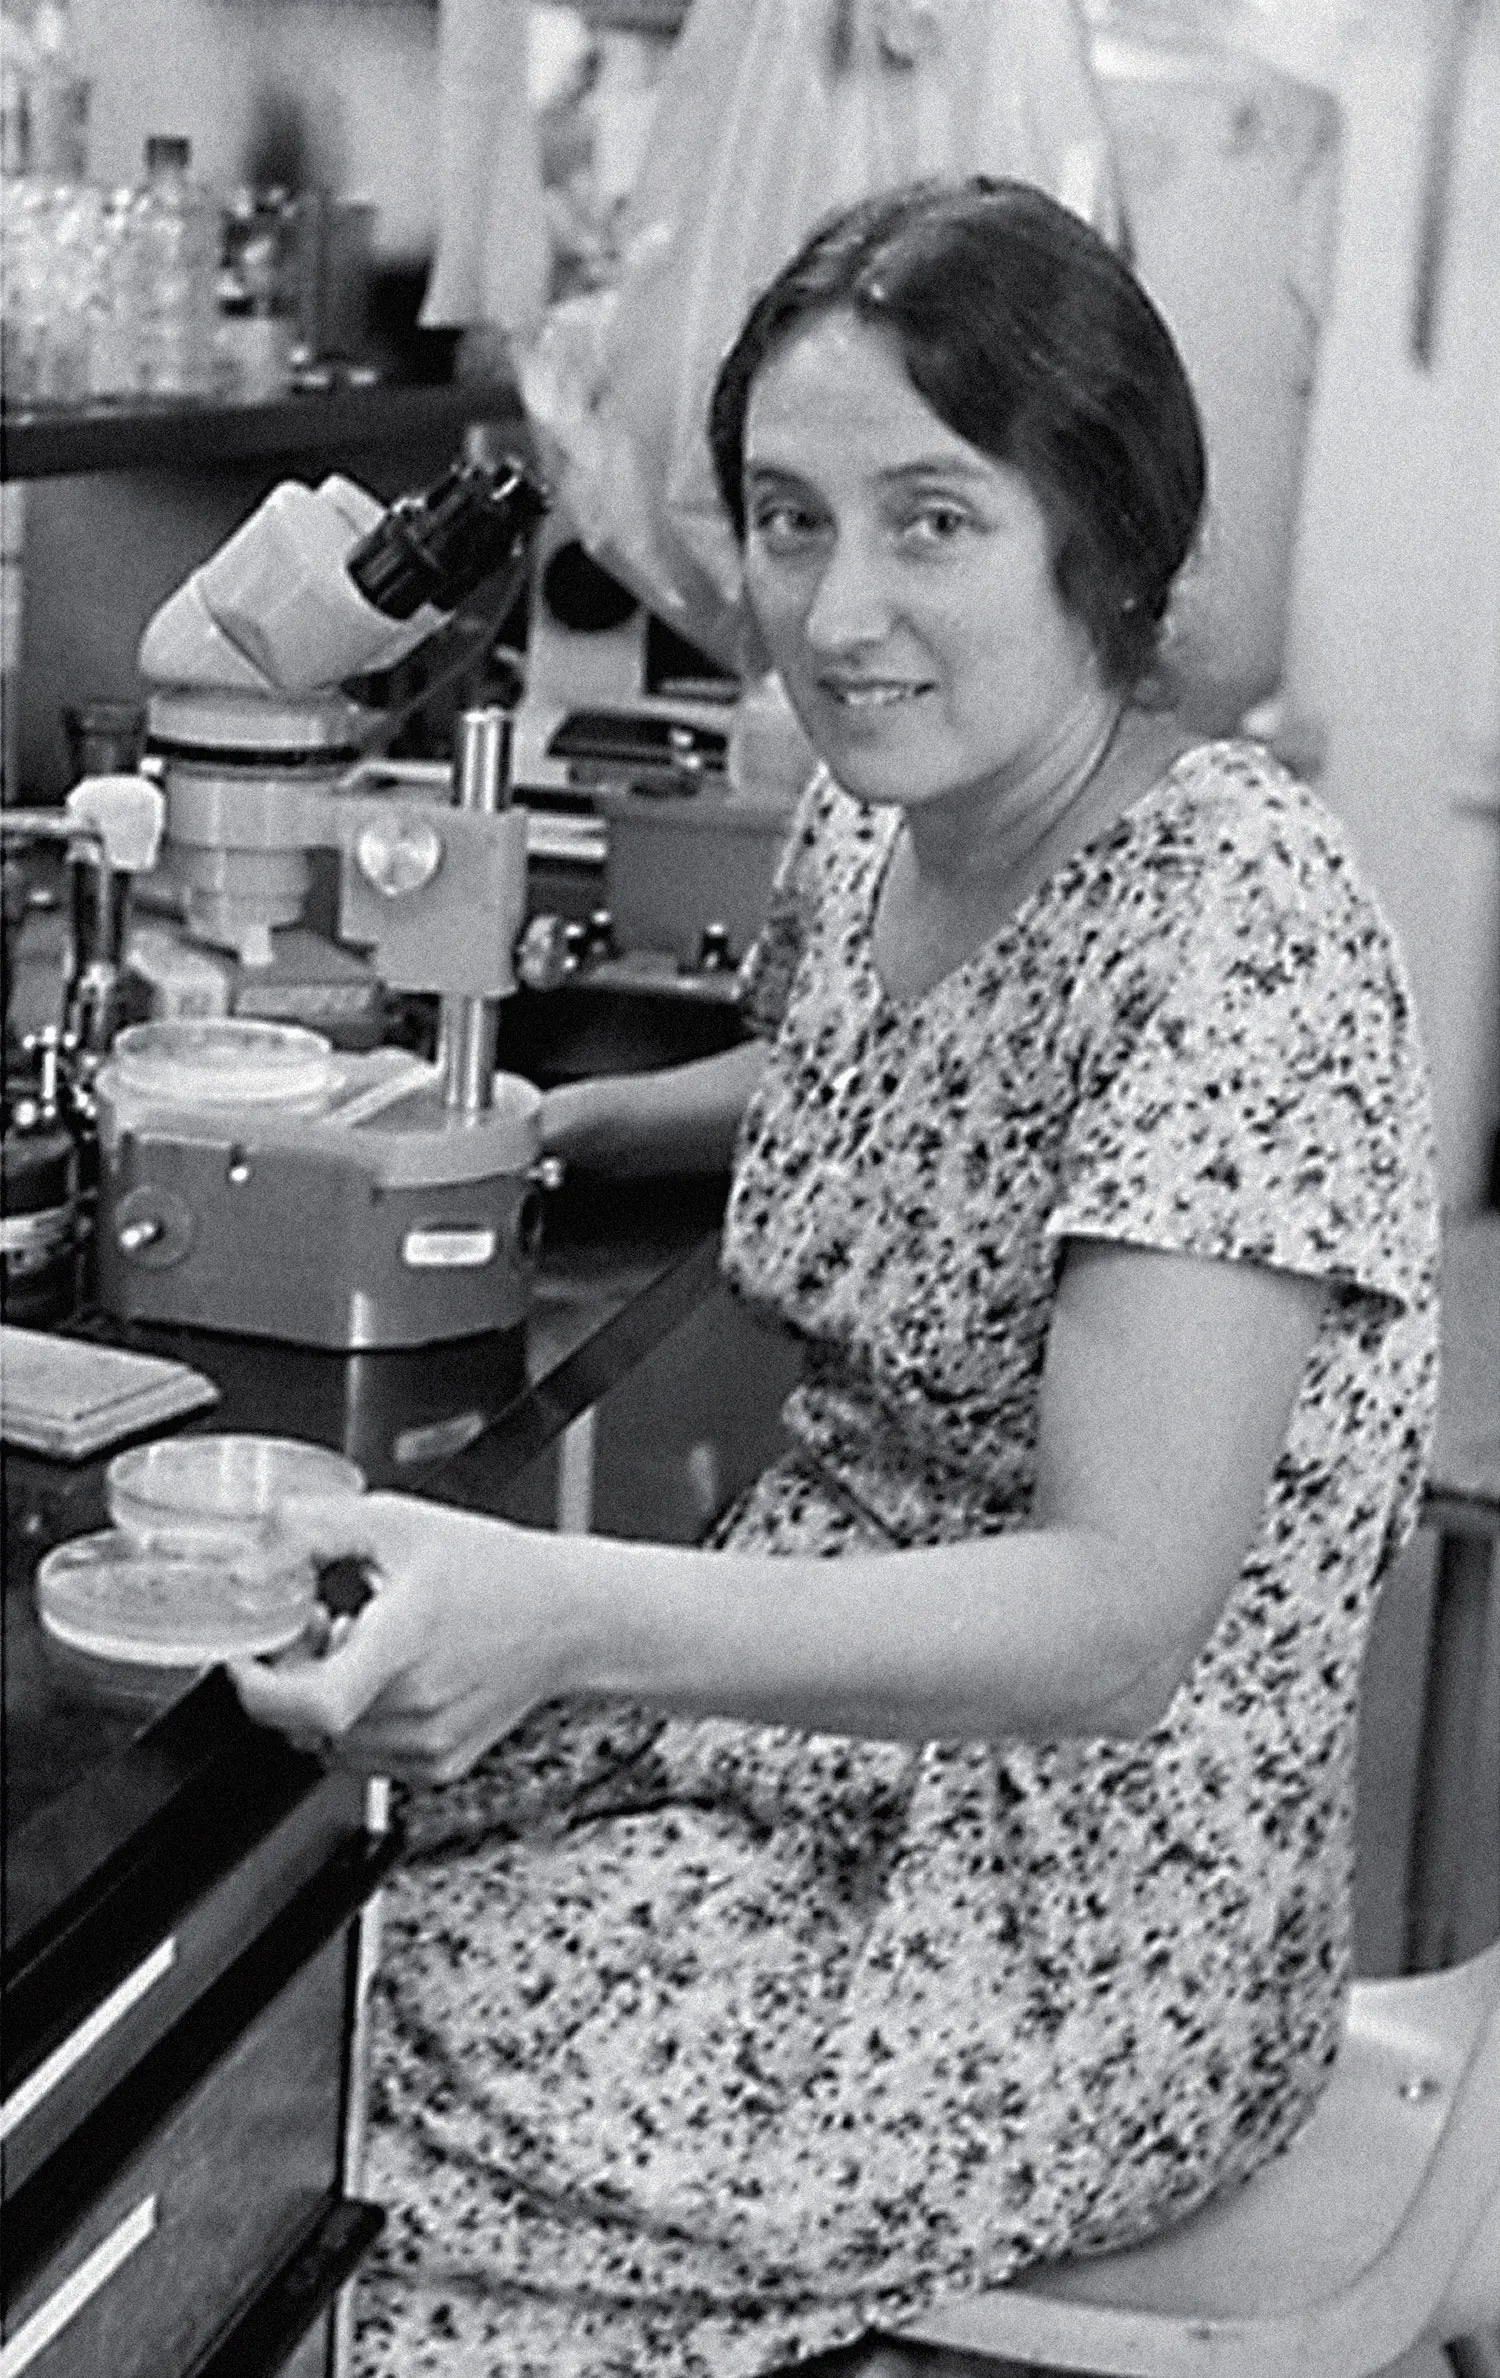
{"points": [[99, 905], [104, 738], [438, 546], [38, 1191], [582, 594]]}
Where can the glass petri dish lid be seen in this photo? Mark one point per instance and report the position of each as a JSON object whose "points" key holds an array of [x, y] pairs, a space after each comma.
{"points": [[225, 1060], [198, 1493], [112, 1600]]}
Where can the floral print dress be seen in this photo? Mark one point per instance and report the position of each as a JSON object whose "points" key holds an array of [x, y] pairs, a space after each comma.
{"points": [[704, 2046]]}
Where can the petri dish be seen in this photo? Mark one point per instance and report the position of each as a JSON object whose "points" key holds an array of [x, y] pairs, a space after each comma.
{"points": [[131, 1623], [225, 1060], [218, 1492]]}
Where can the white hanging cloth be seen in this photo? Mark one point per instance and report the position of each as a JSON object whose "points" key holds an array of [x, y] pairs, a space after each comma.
{"points": [[771, 114], [493, 257]]}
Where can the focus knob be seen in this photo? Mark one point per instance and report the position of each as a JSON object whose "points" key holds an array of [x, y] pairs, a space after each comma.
{"points": [[399, 855]]}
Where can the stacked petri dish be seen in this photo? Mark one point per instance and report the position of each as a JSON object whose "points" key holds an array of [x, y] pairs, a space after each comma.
{"points": [[192, 1572]]}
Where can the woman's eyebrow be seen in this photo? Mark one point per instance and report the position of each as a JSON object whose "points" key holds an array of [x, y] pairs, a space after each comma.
{"points": [[940, 466], [927, 466]]}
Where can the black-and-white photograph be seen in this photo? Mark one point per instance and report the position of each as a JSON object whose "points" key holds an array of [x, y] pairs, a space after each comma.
{"points": [[750, 1222]]}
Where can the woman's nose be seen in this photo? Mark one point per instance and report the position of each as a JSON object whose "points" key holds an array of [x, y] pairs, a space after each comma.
{"points": [[851, 606]]}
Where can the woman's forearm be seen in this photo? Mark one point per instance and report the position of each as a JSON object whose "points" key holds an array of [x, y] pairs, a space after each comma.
{"points": [[1038, 1635], [1169, 1387], [682, 1119], [1035, 1634]]}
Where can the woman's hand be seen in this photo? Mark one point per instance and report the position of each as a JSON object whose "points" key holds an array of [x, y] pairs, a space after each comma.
{"points": [[459, 1640]]}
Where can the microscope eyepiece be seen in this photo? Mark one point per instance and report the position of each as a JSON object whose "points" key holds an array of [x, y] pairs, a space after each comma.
{"points": [[437, 546]]}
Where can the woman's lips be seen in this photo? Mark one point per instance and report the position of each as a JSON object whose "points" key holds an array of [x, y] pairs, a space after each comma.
{"points": [[872, 693]]}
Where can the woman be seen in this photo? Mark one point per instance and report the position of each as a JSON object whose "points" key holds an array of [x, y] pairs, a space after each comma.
{"points": [[818, 1935]]}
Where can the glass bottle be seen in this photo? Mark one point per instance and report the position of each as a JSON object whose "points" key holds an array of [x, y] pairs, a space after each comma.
{"points": [[173, 242], [111, 303], [44, 99], [254, 327], [45, 228]]}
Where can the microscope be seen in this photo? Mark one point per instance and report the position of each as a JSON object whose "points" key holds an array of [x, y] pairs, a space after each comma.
{"points": [[267, 1168]]}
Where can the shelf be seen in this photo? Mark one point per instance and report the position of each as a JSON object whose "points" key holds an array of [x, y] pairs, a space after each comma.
{"points": [[45, 444], [636, 16]]}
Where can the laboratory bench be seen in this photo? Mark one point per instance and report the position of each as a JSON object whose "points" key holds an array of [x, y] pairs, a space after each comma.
{"points": [[186, 1927]]}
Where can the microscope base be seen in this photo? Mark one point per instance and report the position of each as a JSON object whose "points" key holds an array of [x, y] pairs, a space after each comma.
{"points": [[411, 1227]]}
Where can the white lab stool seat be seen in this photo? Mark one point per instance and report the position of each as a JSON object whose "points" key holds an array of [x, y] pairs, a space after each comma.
{"points": [[1378, 2230]]}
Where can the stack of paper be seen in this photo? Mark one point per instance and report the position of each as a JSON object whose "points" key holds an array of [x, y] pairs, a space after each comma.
{"points": [[59, 1395]]}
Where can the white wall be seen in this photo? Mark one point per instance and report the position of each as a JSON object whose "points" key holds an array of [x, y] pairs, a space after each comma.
{"points": [[1395, 643]]}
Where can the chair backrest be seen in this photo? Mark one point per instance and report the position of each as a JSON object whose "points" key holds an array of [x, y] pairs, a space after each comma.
{"points": [[1451, 2218]]}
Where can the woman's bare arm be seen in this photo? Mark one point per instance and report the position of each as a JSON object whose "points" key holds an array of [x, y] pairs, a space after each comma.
{"points": [[1168, 1387], [682, 1119]]}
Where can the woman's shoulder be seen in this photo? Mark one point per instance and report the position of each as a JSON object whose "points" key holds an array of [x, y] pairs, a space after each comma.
{"points": [[1231, 800], [1235, 895], [1228, 830], [1262, 1058]]}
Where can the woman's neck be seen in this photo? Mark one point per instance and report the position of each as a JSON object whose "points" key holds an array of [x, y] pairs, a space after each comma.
{"points": [[956, 874], [988, 833]]}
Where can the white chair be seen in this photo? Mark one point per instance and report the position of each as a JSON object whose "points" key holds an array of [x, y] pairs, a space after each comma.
{"points": [[1378, 2230]]}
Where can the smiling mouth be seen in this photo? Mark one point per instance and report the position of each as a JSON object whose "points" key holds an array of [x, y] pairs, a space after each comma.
{"points": [[876, 693]]}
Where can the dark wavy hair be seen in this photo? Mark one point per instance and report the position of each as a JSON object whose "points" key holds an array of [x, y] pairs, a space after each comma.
{"points": [[1026, 334]]}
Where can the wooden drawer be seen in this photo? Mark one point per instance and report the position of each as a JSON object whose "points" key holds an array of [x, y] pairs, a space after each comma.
{"points": [[99, 1995], [146, 2279], [137, 2245]]}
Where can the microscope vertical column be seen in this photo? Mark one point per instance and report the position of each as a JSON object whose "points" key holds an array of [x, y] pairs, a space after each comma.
{"points": [[468, 1026]]}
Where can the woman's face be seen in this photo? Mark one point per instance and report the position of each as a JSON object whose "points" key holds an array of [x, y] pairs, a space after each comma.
{"points": [[902, 580]]}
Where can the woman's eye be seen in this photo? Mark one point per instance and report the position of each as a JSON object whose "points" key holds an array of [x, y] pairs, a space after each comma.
{"points": [[786, 527], [934, 525]]}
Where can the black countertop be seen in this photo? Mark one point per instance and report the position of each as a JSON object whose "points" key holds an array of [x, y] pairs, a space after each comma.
{"points": [[622, 1265]]}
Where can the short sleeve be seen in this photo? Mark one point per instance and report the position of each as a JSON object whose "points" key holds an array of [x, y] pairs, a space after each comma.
{"points": [[1271, 1106], [771, 962]]}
